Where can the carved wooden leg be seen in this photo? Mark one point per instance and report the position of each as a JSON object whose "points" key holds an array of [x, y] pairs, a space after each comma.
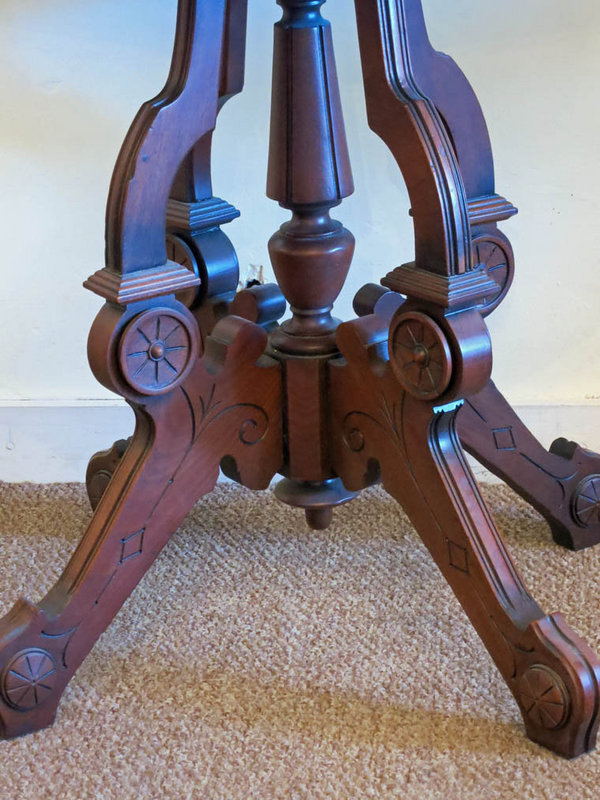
{"points": [[552, 673], [562, 484], [42, 646], [261, 304], [228, 406]]}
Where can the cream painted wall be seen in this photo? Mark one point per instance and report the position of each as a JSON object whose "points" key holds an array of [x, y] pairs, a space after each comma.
{"points": [[73, 73]]}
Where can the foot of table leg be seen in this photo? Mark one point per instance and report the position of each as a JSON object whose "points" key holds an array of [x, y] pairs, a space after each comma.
{"points": [[41, 646]]}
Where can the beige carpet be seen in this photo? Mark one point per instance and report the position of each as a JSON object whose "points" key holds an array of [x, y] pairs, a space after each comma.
{"points": [[260, 660]]}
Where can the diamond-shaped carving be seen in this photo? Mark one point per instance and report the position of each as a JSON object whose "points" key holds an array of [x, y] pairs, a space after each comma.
{"points": [[458, 556], [504, 439], [132, 546]]}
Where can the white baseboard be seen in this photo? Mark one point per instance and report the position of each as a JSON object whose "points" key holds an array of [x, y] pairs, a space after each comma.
{"points": [[53, 441], [50, 443]]}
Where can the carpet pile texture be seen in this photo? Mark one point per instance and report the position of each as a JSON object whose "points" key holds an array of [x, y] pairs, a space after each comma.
{"points": [[258, 659]]}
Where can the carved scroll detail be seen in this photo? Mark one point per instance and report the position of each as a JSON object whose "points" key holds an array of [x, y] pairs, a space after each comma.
{"points": [[253, 419]]}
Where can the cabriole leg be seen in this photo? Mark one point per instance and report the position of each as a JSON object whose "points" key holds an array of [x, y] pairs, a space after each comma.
{"points": [[552, 673], [227, 406], [42, 645]]}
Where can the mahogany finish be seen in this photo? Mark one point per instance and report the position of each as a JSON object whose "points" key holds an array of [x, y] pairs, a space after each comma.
{"points": [[391, 396]]}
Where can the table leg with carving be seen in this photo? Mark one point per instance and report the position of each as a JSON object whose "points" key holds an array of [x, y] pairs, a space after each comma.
{"points": [[224, 406], [215, 381], [382, 431], [563, 484]]}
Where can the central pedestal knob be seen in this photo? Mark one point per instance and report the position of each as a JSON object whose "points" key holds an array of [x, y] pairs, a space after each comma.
{"points": [[157, 351], [420, 354], [309, 173]]}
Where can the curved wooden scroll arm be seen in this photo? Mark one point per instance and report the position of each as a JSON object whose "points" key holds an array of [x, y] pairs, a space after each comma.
{"points": [[203, 265], [408, 122], [169, 141], [420, 103], [560, 483], [193, 215], [445, 84], [193, 183]]}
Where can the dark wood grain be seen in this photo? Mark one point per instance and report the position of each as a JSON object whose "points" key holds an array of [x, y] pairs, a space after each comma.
{"points": [[309, 173], [216, 381], [413, 444]]}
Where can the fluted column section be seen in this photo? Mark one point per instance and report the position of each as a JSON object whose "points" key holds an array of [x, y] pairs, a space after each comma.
{"points": [[309, 173]]}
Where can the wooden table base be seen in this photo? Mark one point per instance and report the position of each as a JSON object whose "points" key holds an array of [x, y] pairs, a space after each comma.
{"points": [[392, 396]]}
